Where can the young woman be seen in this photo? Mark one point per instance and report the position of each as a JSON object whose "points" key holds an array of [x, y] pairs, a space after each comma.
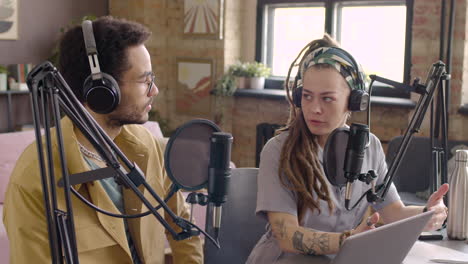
{"points": [[305, 213]]}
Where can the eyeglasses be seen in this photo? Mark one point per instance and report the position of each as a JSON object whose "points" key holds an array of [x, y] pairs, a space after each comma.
{"points": [[149, 81]]}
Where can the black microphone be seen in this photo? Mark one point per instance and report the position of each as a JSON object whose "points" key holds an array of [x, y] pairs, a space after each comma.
{"points": [[219, 174], [355, 150]]}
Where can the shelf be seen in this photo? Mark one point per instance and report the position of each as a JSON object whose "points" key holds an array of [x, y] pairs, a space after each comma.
{"points": [[13, 92], [12, 117]]}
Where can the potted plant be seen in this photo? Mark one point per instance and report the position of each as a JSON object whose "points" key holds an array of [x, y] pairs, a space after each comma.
{"points": [[3, 78], [239, 72], [257, 72], [249, 74], [224, 87]]}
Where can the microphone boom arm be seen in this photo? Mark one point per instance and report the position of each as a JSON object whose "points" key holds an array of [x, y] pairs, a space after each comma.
{"points": [[50, 92], [435, 75]]}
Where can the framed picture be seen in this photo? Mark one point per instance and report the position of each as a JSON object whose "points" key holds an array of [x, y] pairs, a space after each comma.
{"points": [[203, 18], [194, 84], [9, 19]]}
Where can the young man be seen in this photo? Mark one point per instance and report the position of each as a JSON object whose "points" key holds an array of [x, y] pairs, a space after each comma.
{"points": [[101, 238]]}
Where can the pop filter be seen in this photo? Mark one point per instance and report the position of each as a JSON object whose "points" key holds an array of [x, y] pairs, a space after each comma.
{"points": [[334, 155], [187, 155]]}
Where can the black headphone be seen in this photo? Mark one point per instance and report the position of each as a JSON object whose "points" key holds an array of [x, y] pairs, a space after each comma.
{"points": [[100, 90], [359, 98]]}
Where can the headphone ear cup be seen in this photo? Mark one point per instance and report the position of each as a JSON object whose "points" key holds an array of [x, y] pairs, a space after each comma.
{"points": [[297, 96], [101, 95], [358, 100]]}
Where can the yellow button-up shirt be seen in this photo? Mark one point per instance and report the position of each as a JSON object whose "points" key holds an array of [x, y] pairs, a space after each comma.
{"points": [[100, 238]]}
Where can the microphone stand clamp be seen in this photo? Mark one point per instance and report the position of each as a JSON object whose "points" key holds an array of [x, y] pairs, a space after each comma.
{"points": [[368, 177]]}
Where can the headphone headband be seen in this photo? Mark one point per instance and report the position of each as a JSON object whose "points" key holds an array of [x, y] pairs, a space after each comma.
{"points": [[88, 34], [100, 90], [91, 49], [345, 64]]}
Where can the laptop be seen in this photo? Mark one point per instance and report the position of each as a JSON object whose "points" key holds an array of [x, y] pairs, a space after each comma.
{"points": [[388, 244]]}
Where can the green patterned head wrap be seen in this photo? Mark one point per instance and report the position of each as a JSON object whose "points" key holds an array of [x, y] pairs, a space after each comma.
{"points": [[339, 59]]}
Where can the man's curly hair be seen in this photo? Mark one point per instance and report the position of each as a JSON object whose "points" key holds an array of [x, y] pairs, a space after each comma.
{"points": [[113, 37]]}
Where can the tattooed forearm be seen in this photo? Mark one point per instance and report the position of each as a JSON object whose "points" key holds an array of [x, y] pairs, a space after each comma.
{"points": [[312, 244], [279, 229], [298, 243], [320, 240]]}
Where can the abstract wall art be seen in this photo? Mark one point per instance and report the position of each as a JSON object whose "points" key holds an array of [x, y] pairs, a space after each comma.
{"points": [[203, 17], [9, 19], [194, 84]]}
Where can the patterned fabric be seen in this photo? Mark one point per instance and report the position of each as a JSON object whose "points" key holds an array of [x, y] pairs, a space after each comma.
{"points": [[340, 61]]}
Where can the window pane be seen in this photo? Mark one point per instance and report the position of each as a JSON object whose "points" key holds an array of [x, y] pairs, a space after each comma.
{"points": [[292, 28], [375, 35]]}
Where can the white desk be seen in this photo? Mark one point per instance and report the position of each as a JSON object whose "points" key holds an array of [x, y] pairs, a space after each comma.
{"points": [[421, 253], [461, 246]]}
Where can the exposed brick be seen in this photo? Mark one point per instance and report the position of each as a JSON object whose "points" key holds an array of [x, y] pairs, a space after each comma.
{"points": [[241, 115]]}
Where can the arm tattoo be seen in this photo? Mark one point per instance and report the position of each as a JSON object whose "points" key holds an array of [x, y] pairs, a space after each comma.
{"points": [[298, 243], [280, 229], [313, 244]]}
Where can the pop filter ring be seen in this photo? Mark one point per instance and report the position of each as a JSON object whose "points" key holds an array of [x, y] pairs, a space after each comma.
{"points": [[331, 175], [328, 173], [176, 185]]}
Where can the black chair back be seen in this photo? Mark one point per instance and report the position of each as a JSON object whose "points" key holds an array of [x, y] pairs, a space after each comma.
{"points": [[265, 131], [415, 171], [240, 227]]}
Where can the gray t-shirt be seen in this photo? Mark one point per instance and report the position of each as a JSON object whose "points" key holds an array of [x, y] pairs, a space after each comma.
{"points": [[274, 197]]}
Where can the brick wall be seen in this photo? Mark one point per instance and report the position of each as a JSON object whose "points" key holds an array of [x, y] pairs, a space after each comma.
{"points": [[240, 115], [168, 44], [425, 51]]}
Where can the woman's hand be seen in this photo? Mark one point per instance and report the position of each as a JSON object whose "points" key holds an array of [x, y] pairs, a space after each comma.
{"points": [[436, 204], [368, 224]]}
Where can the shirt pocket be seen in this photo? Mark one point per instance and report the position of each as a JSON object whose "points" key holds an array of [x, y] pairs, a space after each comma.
{"points": [[93, 237]]}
